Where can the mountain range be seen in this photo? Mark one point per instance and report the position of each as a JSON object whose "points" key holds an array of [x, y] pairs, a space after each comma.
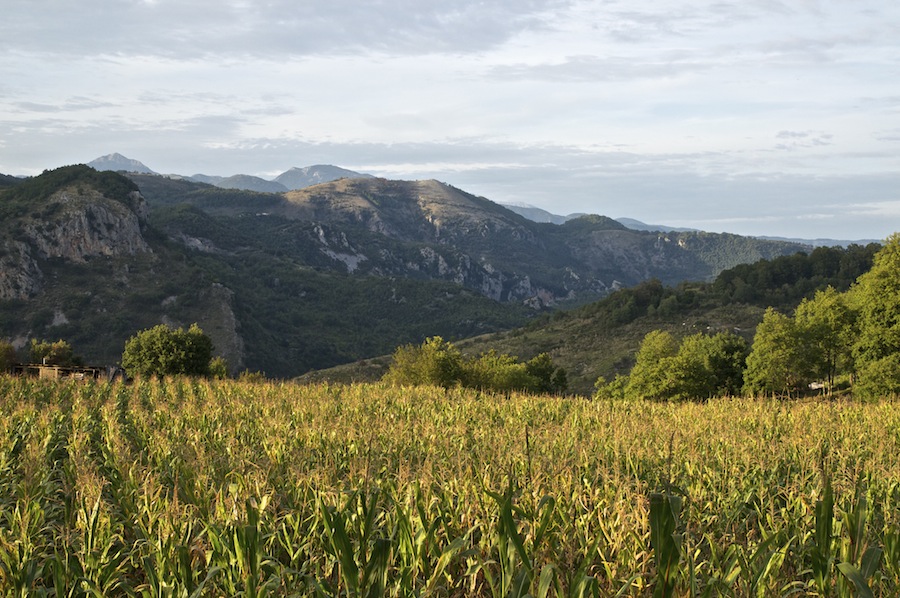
{"points": [[327, 274], [540, 215], [299, 178], [294, 178]]}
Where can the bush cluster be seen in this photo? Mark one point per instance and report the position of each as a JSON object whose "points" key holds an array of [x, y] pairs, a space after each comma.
{"points": [[56, 353], [163, 351], [437, 362]]}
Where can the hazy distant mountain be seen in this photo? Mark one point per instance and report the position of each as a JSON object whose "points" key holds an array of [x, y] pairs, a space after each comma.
{"points": [[824, 242], [251, 183], [209, 179], [536, 214], [300, 178], [638, 225], [7, 180], [291, 180], [118, 162]]}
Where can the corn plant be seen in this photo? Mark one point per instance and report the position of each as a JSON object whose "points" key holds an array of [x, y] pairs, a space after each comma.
{"points": [[190, 488], [859, 561]]}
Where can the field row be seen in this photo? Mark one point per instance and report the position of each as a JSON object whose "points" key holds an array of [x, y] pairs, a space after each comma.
{"points": [[210, 488]]}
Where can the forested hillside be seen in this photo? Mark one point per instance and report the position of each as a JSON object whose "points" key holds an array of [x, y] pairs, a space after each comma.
{"points": [[602, 338], [86, 260], [334, 273], [843, 341]]}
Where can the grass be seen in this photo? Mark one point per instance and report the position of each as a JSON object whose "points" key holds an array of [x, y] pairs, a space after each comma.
{"points": [[205, 488]]}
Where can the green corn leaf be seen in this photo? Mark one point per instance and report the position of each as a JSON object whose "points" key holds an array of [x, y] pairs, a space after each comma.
{"points": [[871, 559], [547, 506], [376, 571], [449, 553], [855, 577], [666, 548], [343, 549], [548, 575], [511, 533]]}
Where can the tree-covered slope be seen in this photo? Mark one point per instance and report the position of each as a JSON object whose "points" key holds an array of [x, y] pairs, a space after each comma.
{"points": [[331, 274], [429, 230], [601, 338], [8, 181], [265, 307]]}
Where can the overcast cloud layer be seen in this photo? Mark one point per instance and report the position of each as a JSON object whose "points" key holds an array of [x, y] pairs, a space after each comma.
{"points": [[755, 116]]}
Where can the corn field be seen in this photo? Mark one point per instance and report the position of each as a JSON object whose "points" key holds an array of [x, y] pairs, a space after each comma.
{"points": [[183, 488]]}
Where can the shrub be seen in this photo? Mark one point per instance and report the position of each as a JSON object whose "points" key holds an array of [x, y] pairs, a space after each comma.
{"points": [[498, 372], [438, 363], [218, 368], [163, 351], [56, 353], [8, 357], [549, 378], [879, 378], [435, 362]]}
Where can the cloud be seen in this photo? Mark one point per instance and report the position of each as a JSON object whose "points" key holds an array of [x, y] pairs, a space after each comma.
{"points": [[792, 134], [803, 139], [596, 68], [217, 28], [71, 104], [888, 135], [889, 209]]}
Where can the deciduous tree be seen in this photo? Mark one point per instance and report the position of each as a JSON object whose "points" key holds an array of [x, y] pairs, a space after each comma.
{"points": [[779, 360], [827, 323], [56, 353], [8, 357], [163, 351], [435, 362], [649, 378], [877, 300]]}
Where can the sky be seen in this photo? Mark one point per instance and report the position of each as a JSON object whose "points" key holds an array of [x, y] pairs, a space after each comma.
{"points": [[755, 117]]}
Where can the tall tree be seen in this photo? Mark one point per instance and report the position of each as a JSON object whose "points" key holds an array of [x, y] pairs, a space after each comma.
{"points": [[649, 378], [877, 300], [827, 322], [8, 356], [163, 351], [779, 359], [725, 357], [435, 362], [56, 353]]}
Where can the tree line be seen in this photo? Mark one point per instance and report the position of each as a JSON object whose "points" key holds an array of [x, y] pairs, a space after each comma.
{"points": [[835, 340], [437, 362], [155, 352]]}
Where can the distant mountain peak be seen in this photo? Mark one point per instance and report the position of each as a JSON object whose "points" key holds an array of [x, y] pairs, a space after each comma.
{"points": [[537, 214], [118, 162], [307, 176], [638, 225], [250, 183]]}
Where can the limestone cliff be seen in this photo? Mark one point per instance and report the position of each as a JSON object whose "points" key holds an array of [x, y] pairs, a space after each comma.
{"points": [[20, 277], [86, 224], [75, 224], [222, 326]]}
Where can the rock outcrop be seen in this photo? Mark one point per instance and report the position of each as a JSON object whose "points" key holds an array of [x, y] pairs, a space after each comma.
{"points": [[75, 224], [85, 224], [20, 277], [222, 326]]}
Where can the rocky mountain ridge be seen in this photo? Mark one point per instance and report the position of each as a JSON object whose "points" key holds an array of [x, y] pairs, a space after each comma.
{"points": [[74, 223], [289, 180], [430, 230], [118, 162], [310, 278]]}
